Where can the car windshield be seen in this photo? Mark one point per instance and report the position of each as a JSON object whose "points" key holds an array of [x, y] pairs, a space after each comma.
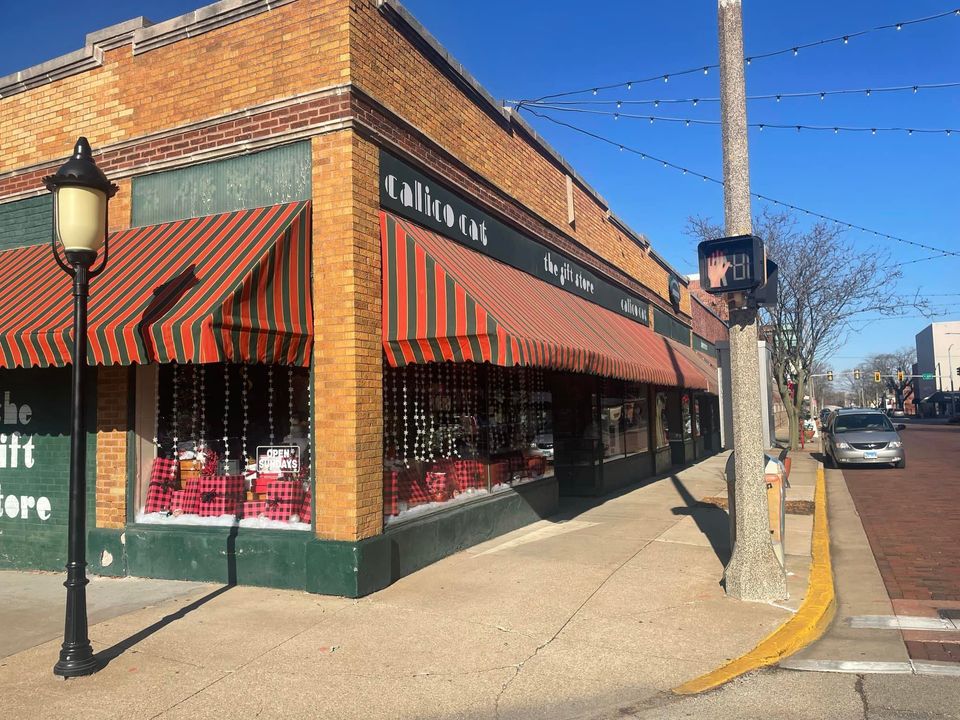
{"points": [[866, 421]]}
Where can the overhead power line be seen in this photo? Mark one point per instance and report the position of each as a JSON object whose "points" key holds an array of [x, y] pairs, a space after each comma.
{"points": [[822, 94], [748, 59], [766, 198], [836, 129]]}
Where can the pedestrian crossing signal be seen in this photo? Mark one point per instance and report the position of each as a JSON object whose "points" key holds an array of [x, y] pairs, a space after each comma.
{"points": [[830, 376], [856, 374], [899, 375], [876, 376]]}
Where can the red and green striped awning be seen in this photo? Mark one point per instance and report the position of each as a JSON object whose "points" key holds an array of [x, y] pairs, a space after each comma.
{"points": [[443, 301], [230, 287]]}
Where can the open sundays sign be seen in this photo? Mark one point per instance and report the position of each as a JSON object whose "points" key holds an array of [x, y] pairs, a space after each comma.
{"points": [[411, 194]]}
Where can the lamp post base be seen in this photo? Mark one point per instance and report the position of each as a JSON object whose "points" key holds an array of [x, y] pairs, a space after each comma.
{"points": [[76, 662]]}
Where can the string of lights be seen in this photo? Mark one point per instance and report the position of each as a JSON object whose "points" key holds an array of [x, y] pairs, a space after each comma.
{"points": [[836, 129], [766, 198], [705, 69], [822, 94]]}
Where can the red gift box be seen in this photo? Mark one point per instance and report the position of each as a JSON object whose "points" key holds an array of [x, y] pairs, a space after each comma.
{"points": [[263, 480], [217, 506], [254, 508], [231, 486], [282, 510], [499, 473], [186, 501], [468, 474], [163, 481], [221, 495], [286, 491], [441, 486], [306, 508]]}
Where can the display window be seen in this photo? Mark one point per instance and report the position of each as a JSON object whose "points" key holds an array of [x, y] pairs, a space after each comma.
{"points": [[224, 444], [685, 415], [662, 424], [457, 431], [696, 417], [636, 419], [612, 419]]}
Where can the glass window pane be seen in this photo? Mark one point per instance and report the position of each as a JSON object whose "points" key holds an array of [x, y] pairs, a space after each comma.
{"points": [[612, 419], [636, 418]]}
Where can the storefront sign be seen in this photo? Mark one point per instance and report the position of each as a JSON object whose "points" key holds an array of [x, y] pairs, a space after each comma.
{"points": [[278, 459], [17, 453], [413, 195]]}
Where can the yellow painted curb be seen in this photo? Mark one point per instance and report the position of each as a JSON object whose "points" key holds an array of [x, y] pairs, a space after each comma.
{"points": [[809, 622]]}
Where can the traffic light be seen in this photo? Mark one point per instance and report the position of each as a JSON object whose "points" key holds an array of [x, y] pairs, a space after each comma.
{"points": [[856, 374], [829, 375], [900, 376], [876, 376]]}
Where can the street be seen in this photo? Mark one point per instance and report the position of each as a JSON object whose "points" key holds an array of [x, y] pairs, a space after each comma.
{"points": [[912, 520]]}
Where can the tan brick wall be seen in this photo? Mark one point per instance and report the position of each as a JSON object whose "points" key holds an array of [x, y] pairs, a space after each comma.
{"points": [[386, 65], [347, 351], [112, 426], [290, 50]]}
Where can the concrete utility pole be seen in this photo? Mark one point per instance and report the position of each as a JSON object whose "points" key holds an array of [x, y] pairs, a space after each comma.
{"points": [[753, 573]]}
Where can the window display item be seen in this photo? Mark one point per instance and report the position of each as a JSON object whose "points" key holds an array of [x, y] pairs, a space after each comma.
{"points": [[221, 495], [284, 499], [254, 508], [186, 501], [163, 483]]}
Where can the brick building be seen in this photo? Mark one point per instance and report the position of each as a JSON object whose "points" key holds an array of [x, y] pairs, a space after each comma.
{"points": [[357, 315]]}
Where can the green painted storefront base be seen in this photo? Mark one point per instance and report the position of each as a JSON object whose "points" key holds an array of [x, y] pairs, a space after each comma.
{"points": [[300, 561]]}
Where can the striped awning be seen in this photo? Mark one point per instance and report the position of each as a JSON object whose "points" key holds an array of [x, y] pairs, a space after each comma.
{"points": [[443, 301], [230, 287]]}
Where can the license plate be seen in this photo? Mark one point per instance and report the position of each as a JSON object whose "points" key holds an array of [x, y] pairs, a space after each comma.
{"points": [[869, 454]]}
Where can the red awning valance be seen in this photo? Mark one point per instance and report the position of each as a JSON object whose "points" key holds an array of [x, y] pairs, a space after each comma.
{"points": [[443, 301], [229, 287]]}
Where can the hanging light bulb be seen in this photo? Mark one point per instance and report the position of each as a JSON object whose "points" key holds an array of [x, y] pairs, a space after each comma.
{"points": [[695, 101], [846, 39], [899, 26], [684, 171], [656, 103], [629, 86], [761, 128], [619, 104], [594, 91], [666, 78], [688, 123], [798, 128], [665, 164], [706, 71], [948, 133], [909, 132], [651, 119], [616, 116], [796, 51], [915, 88], [621, 148], [823, 95], [642, 156], [778, 98], [873, 131], [749, 60], [836, 130]]}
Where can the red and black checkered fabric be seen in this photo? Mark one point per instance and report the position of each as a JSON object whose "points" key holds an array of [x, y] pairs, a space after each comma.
{"points": [[282, 510], [468, 474], [254, 508], [288, 491], [219, 506], [163, 481], [186, 501], [225, 486], [306, 508]]}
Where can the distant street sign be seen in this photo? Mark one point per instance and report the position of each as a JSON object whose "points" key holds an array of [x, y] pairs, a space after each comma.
{"points": [[927, 376]]}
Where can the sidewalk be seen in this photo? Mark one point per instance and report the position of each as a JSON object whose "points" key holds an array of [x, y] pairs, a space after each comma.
{"points": [[605, 605]]}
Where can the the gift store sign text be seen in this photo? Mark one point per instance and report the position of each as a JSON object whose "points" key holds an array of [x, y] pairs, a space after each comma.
{"points": [[16, 452]]}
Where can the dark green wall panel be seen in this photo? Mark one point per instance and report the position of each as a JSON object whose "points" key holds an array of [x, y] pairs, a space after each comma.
{"points": [[278, 175], [26, 222]]}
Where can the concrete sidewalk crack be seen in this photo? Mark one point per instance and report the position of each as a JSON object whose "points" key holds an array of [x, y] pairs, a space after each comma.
{"points": [[576, 612]]}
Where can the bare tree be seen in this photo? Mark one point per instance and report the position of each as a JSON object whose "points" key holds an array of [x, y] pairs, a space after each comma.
{"points": [[825, 284], [889, 365]]}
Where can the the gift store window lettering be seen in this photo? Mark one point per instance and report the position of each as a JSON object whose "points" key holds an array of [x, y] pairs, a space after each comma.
{"points": [[210, 420]]}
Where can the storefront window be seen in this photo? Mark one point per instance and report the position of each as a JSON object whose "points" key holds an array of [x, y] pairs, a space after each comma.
{"points": [[696, 417], [636, 418], [230, 444], [455, 431], [612, 418], [662, 426], [685, 415]]}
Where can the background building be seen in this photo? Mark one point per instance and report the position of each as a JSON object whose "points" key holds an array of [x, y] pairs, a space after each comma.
{"points": [[938, 352]]}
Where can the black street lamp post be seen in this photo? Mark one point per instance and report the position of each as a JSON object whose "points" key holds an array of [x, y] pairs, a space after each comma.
{"points": [[81, 193]]}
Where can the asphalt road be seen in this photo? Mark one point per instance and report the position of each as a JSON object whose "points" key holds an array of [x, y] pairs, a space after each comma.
{"points": [[912, 520]]}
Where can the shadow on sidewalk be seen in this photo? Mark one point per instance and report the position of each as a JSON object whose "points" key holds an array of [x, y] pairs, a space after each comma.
{"points": [[712, 521], [116, 650]]}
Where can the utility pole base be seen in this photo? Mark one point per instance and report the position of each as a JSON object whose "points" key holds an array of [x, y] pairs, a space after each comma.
{"points": [[755, 574]]}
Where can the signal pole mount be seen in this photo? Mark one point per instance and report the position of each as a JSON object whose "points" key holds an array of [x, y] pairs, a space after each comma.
{"points": [[754, 572]]}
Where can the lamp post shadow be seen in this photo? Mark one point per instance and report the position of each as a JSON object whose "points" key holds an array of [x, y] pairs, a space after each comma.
{"points": [[712, 521]]}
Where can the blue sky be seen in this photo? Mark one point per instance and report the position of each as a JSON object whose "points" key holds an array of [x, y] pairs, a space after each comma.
{"points": [[899, 184]]}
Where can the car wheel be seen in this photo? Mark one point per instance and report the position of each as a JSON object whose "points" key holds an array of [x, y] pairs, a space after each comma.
{"points": [[901, 464]]}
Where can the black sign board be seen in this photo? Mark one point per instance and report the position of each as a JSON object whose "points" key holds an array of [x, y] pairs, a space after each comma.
{"points": [[732, 264], [411, 194], [278, 459]]}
